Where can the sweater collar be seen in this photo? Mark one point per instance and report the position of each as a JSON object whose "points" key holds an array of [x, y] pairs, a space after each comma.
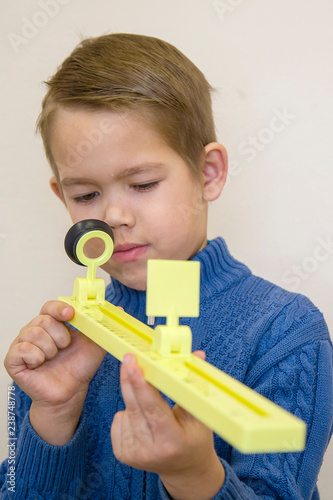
{"points": [[218, 271]]}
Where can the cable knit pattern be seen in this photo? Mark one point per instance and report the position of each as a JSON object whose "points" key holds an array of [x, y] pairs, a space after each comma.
{"points": [[274, 341]]}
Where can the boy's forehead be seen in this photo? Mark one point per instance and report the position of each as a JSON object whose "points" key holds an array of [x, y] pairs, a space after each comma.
{"points": [[85, 131], [80, 138], [98, 121]]}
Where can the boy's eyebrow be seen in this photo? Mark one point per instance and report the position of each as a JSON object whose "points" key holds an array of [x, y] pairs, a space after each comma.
{"points": [[140, 169], [128, 172], [73, 181]]}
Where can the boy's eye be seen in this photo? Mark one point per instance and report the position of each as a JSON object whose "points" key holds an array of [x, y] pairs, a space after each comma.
{"points": [[85, 198], [145, 187]]}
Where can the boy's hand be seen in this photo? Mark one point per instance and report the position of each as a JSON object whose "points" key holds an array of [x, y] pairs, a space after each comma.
{"points": [[149, 435], [53, 364]]}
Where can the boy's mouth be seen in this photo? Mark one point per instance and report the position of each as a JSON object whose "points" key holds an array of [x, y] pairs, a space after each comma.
{"points": [[128, 252]]}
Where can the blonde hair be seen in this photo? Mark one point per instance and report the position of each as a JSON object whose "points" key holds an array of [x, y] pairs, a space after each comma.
{"points": [[141, 74]]}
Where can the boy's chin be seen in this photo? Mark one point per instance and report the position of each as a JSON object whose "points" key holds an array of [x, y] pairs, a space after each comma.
{"points": [[135, 280], [139, 286]]}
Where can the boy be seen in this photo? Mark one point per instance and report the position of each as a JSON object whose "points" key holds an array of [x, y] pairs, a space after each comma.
{"points": [[128, 130]]}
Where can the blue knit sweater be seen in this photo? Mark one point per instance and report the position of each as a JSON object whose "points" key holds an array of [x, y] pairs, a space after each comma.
{"points": [[274, 341]]}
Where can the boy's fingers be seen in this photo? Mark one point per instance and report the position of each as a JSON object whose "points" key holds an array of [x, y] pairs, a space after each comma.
{"points": [[139, 396], [23, 355], [46, 325], [200, 354], [58, 310], [117, 433], [37, 336], [50, 323], [130, 374], [137, 392]]}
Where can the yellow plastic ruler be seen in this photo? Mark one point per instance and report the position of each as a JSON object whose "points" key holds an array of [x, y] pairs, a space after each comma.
{"points": [[242, 417]]}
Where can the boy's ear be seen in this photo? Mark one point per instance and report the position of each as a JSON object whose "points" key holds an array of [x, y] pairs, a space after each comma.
{"points": [[57, 189], [215, 170]]}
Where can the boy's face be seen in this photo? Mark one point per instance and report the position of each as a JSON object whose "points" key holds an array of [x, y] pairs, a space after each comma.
{"points": [[116, 168]]}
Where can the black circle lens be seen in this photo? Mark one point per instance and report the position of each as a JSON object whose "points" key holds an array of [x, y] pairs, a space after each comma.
{"points": [[78, 230]]}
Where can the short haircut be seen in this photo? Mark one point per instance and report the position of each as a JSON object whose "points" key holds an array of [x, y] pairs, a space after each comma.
{"points": [[144, 75]]}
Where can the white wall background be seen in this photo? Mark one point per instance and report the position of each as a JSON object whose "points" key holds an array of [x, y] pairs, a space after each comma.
{"points": [[265, 58]]}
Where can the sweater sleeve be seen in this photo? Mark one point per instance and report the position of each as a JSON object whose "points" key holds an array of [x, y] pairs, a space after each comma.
{"points": [[302, 384], [301, 381], [297, 374], [36, 470]]}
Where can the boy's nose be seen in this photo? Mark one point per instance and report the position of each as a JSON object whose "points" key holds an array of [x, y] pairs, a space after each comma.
{"points": [[117, 215]]}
